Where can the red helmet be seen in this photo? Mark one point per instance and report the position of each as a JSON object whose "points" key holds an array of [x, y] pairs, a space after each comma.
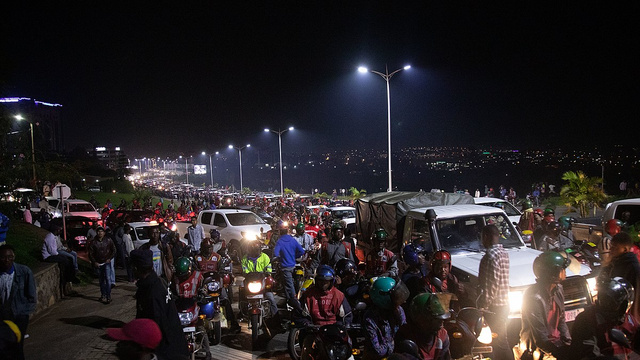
{"points": [[442, 256], [538, 212], [613, 227]]}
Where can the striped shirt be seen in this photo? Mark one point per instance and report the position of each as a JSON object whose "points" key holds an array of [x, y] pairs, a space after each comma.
{"points": [[493, 277]]}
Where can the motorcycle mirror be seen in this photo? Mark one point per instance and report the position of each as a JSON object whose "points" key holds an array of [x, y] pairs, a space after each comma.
{"points": [[408, 347], [360, 306], [618, 337]]}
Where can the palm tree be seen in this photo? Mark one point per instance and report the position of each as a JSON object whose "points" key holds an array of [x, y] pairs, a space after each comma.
{"points": [[582, 192], [357, 194]]}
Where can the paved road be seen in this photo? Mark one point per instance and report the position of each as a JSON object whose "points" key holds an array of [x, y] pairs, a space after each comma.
{"points": [[75, 327]]}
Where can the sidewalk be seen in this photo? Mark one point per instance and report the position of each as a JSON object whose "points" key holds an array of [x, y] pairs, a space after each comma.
{"points": [[74, 328]]}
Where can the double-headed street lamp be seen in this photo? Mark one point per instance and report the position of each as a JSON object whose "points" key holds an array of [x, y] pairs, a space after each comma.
{"points": [[210, 165], [386, 76], [240, 155], [280, 132], [33, 148]]}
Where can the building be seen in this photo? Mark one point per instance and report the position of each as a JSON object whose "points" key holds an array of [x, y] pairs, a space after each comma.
{"points": [[113, 158], [47, 125]]}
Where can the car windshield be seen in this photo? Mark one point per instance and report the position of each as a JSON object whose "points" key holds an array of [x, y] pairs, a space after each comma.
{"points": [[80, 207], [344, 214], [464, 233], [143, 232], [239, 219], [53, 202]]}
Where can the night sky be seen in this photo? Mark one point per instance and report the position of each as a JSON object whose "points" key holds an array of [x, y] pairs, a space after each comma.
{"points": [[171, 78]]}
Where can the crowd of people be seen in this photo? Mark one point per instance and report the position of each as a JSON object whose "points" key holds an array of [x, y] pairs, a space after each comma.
{"points": [[409, 296]]}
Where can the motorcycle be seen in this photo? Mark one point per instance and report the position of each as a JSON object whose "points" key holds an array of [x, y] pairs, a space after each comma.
{"points": [[334, 341], [257, 308], [469, 335], [210, 308], [193, 326], [586, 252]]}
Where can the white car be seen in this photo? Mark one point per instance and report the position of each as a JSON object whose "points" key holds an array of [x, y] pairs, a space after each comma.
{"points": [[140, 232], [346, 213], [512, 212], [235, 226], [81, 208]]}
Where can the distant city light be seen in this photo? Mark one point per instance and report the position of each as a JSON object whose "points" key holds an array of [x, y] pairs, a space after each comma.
{"points": [[101, 148]]}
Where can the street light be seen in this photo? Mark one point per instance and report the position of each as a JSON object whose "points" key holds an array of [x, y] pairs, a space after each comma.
{"points": [[386, 76], [240, 155], [210, 166], [280, 132], [33, 148]]}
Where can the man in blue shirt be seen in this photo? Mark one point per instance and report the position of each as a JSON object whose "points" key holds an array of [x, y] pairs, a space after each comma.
{"points": [[288, 250]]}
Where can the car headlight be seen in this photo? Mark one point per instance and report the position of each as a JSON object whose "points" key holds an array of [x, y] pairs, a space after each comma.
{"points": [[250, 235], [185, 318], [515, 301], [254, 287], [593, 290]]}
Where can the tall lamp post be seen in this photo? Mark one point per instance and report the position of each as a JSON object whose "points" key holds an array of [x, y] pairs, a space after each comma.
{"points": [[210, 166], [33, 148], [240, 155], [386, 76], [280, 132]]}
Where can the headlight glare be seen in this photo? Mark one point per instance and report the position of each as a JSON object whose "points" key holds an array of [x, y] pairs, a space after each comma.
{"points": [[515, 301], [254, 287]]}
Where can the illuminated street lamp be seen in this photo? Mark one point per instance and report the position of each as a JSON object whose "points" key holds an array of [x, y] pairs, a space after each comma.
{"points": [[210, 165], [240, 155], [280, 132], [386, 76], [33, 148]]}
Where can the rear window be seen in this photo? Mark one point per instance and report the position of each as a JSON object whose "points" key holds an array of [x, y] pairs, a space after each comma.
{"points": [[628, 214], [206, 218], [80, 207], [343, 214], [143, 232], [239, 219]]}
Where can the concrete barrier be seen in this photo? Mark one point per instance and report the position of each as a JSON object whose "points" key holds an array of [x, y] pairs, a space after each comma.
{"points": [[47, 278]]}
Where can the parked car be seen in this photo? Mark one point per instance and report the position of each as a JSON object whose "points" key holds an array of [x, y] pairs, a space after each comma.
{"points": [[77, 229], [81, 208], [94, 188]]}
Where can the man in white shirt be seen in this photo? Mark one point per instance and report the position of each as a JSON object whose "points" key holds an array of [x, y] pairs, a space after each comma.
{"points": [[196, 234]]}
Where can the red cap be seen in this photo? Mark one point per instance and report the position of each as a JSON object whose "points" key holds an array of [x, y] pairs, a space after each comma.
{"points": [[141, 331]]}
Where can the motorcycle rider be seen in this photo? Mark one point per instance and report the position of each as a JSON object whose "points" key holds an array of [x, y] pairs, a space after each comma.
{"points": [[187, 282], [313, 228], [219, 245], [303, 238], [256, 261], [349, 281], [382, 321], [425, 327], [208, 261], [334, 249], [591, 328], [544, 329], [527, 220], [552, 238], [381, 261], [538, 233], [440, 278], [323, 302]]}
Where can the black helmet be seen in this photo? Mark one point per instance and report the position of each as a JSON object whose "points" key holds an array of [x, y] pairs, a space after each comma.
{"points": [[549, 264], [554, 226], [380, 235], [345, 267], [615, 297]]}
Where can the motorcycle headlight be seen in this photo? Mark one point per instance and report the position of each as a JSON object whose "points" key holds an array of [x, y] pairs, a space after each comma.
{"points": [[185, 318], [515, 301], [593, 290], [250, 235], [254, 287], [213, 286], [485, 335]]}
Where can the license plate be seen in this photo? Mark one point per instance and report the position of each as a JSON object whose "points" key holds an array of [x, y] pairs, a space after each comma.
{"points": [[189, 329], [259, 296], [571, 315]]}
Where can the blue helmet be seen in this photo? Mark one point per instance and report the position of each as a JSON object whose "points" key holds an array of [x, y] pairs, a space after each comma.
{"points": [[325, 272], [410, 254], [214, 234]]}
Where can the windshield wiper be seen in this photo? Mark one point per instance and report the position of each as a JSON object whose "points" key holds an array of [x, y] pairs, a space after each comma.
{"points": [[469, 249]]}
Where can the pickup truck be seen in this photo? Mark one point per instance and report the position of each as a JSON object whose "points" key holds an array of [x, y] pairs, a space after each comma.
{"points": [[235, 226], [592, 229]]}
